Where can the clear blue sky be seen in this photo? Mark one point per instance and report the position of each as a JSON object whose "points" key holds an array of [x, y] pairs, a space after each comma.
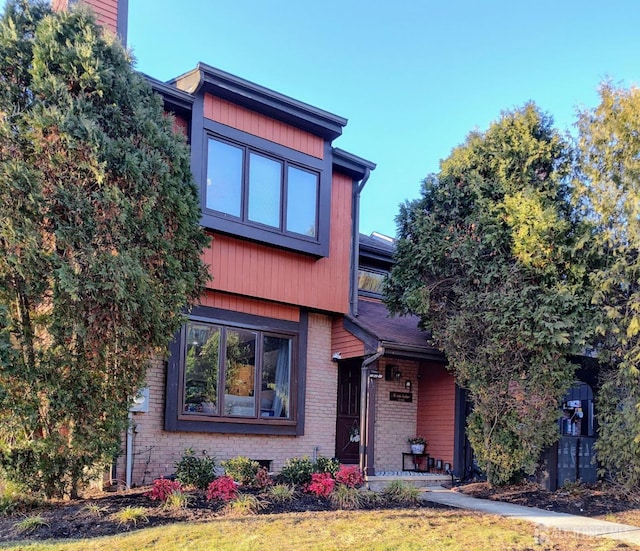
{"points": [[413, 77]]}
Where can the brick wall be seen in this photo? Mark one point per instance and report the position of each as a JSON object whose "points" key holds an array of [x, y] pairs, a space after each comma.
{"points": [[395, 422], [156, 451]]}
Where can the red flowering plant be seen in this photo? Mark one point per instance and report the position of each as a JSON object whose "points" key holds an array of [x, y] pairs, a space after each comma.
{"points": [[321, 484], [350, 476], [222, 489], [162, 488]]}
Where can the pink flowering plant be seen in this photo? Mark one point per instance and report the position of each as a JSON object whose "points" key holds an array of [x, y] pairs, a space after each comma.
{"points": [[350, 476], [321, 484], [162, 488], [222, 489]]}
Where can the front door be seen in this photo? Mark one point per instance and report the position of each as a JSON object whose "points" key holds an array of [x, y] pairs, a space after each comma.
{"points": [[348, 419]]}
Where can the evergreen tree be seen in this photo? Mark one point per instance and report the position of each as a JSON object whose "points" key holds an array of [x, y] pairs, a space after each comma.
{"points": [[100, 242], [609, 184], [485, 258]]}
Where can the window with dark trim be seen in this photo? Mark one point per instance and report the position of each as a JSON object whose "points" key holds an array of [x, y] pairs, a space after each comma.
{"points": [[235, 372], [261, 189], [371, 282], [264, 191], [240, 374]]}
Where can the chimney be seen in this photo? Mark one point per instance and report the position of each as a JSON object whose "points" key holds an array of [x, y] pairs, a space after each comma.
{"points": [[111, 14]]}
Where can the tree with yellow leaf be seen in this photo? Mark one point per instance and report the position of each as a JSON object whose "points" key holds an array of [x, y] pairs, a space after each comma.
{"points": [[609, 184], [486, 257]]}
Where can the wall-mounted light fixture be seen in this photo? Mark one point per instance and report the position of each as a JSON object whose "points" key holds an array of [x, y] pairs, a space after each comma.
{"points": [[407, 385]]}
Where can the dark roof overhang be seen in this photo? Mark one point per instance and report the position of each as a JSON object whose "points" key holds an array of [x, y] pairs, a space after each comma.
{"points": [[350, 164], [263, 100], [175, 99]]}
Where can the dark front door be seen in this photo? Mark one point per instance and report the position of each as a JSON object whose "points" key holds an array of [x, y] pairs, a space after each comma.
{"points": [[348, 419]]}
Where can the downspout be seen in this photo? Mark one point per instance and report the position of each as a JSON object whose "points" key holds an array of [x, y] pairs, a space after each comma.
{"points": [[129, 453], [365, 381], [356, 241]]}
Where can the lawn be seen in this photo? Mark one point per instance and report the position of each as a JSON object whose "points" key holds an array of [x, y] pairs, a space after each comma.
{"points": [[410, 528]]}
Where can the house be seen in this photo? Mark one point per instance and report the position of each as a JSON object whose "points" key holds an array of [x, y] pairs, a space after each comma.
{"points": [[290, 351]]}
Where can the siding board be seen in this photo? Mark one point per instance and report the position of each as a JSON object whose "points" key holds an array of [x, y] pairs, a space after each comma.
{"points": [[436, 410], [250, 306], [224, 112]]}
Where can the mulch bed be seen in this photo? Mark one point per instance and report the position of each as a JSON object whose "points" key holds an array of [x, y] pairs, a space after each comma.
{"points": [[80, 519], [585, 500], [91, 516]]}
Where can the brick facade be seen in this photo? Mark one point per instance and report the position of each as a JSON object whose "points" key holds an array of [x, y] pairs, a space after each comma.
{"points": [[395, 422], [155, 451]]}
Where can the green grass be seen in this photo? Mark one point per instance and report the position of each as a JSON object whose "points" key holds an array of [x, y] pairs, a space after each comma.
{"points": [[402, 529]]}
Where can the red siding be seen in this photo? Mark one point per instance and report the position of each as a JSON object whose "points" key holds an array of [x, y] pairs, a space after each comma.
{"points": [[180, 125], [436, 410], [106, 13], [261, 271], [250, 306], [232, 115], [344, 342]]}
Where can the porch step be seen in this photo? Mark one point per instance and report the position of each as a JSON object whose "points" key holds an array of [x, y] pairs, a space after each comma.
{"points": [[380, 480]]}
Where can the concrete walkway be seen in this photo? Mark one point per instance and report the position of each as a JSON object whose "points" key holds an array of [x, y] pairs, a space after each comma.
{"points": [[549, 519]]}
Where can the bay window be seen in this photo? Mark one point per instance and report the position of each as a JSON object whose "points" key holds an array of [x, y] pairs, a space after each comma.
{"points": [[257, 189], [229, 377]]}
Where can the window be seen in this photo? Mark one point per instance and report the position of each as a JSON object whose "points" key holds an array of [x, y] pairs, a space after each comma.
{"points": [[261, 189], [253, 368], [256, 189], [236, 375], [370, 282]]}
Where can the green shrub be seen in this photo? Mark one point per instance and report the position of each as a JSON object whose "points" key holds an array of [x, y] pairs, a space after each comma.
{"points": [[16, 498], [131, 515], [345, 497], [281, 493], [244, 504], [242, 469], [196, 471], [297, 471], [399, 491], [30, 524], [327, 465]]}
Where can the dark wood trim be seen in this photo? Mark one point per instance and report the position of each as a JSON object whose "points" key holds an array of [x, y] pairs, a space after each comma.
{"points": [[459, 433], [175, 422], [122, 22], [302, 372], [268, 102], [350, 164]]}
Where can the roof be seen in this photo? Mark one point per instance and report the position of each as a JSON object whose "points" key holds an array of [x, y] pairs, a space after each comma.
{"points": [[269, 102], [399, 336], [377, 246]]}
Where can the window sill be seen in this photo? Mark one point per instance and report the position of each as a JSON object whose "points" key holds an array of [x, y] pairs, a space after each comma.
{"points": [[236, 228], [201, 423]]}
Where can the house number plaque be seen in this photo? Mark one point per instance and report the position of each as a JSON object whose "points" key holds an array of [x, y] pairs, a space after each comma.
{"points": [[401, 396]]}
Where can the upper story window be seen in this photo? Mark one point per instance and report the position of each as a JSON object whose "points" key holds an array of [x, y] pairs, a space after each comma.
{"points": [[261, 189], [370, 282]]}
